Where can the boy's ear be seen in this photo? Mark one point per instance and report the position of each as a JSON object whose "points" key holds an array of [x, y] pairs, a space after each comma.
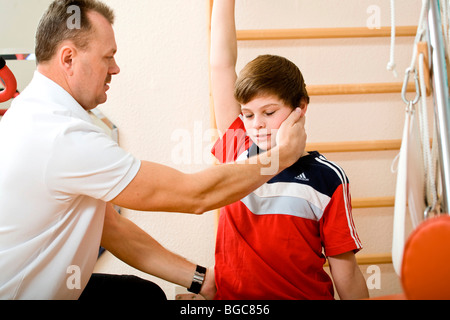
{"points": [[303, 106]]}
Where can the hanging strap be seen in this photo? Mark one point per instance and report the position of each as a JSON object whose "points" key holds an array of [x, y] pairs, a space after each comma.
{"points": [[398, 236], [429, 162]]}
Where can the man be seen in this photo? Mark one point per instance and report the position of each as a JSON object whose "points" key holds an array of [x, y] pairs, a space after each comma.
{"points": [[61, 174]]}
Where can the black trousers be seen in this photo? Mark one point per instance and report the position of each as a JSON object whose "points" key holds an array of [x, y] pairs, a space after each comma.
{"points": [[123, 287]]}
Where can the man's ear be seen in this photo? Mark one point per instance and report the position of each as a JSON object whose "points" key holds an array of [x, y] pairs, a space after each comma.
{"points": [[67, 54]]}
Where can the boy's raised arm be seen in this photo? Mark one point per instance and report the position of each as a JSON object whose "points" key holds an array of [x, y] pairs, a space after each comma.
{"points": [[223, 63]]}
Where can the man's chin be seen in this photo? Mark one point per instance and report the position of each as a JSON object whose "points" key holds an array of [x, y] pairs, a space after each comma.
{"points": [[102, 99]]}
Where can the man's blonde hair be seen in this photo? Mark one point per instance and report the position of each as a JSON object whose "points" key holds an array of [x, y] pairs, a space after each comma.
{"points": [[53, 27]]}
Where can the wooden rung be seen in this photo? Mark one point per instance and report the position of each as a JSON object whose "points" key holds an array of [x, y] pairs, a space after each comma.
{"points": [[422, 48], [354, 146], [373, 202], [379, 258], [324, 33], [358, 88], [368, 259]]}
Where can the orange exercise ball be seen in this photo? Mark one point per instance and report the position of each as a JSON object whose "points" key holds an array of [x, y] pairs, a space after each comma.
{"points": [[425, 272]]}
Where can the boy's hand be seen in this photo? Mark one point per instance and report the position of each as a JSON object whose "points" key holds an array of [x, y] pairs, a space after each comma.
{"points": [[209, 289]]}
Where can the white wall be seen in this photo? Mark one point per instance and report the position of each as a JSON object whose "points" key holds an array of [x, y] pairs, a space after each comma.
{"points": [[18, 22], [163, 87], [351, 117], [162, 92]]}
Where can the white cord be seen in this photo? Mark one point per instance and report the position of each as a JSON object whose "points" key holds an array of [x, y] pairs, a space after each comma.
{"points": [[430, 181], [444, 13], [391, 63], [420, 32]]}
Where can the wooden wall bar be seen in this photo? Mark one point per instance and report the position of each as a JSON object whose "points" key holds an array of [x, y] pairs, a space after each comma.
{"points": [[354, 146], [324, 33], [358, 88], [342, 89], [373, 202]]}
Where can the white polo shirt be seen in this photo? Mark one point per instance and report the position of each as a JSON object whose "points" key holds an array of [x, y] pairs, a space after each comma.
{"points": [[57, 171]]}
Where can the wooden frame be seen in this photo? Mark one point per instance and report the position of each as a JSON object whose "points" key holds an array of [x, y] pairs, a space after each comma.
{"points": [[373, 202], [324, 33], [371, 259], [354, 146], [340, 89], [358, 88]]}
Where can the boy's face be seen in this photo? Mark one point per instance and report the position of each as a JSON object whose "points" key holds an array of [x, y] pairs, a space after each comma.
{"points": [[262, 118]]}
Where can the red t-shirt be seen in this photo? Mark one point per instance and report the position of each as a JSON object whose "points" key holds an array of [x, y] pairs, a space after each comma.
{"points": [[272, 244]]}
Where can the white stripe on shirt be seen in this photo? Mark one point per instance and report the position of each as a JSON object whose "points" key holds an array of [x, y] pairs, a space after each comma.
{"points": [[340, 173]]}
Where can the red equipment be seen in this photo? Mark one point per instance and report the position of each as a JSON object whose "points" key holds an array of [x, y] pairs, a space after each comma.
{"points": [[9, 81]]}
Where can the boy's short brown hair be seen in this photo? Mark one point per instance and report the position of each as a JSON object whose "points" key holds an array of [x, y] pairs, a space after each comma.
{"points": [[53, 28], [274, 75]]}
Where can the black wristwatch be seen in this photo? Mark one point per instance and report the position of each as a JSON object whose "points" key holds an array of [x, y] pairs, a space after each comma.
{"points": [[197, 281]]}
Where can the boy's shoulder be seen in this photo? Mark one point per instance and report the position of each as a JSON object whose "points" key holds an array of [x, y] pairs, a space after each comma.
{"points": [[316, 171]]}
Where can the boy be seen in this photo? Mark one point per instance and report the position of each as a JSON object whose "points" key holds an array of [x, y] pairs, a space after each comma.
{"points": [[269, 244]]}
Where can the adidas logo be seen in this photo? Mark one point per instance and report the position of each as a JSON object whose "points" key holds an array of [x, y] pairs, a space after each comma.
{"points": [[302, 177]]}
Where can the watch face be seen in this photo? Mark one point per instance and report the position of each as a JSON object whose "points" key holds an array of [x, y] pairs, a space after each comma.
{"points": [[197, 281]]}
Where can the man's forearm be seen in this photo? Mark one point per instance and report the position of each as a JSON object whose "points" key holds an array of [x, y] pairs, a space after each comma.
{"points": [[160, 188], [134, 246], [131, 244], [227, 183]]}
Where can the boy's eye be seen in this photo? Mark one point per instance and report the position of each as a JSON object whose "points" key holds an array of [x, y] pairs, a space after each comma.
{"points": [[248, 116], [270, 113]]}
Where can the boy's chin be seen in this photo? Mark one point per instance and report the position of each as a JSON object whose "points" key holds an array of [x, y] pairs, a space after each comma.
{"points": [[265, 146]]}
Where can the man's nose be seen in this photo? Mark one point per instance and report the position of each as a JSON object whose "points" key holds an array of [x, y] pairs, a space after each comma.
{"points": [[114, 69]]}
